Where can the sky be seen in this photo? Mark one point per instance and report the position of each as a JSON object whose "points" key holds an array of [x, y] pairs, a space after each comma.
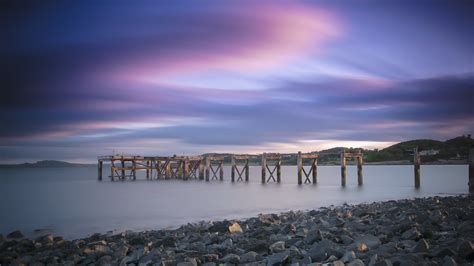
{"points": [[85, 78]]}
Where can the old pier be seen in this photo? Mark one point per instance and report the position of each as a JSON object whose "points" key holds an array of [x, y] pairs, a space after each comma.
{"points": [[210, 168]]}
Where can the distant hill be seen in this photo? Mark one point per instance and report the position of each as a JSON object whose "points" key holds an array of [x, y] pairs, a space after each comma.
{"points": [[44, 164]]}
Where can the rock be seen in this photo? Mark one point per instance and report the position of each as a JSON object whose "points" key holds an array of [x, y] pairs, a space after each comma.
{"points": [[346, 240], [411, 234], [269, 219], [45, 239], [382, 263], [313, 236], [466, 250], [361, 247], [231, 258], [448, 261], [2, 238], [234, 228], [221, 227], [442, 252], [248, 257], [210, 258], [187, 263], [337, 263], [15, 235], [421, 246], [227, 243], [277, 247], [169, 241], [348, 256], [370, 241], [278, 258], [356, 262]]}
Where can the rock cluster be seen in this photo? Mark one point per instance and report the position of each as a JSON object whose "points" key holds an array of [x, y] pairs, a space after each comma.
{"points": [[429, 231]]}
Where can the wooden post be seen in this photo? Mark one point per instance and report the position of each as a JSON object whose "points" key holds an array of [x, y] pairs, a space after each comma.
{"points": [[232, 174], [315, 171], [278, 166], [264, 170], [221, 170], [208, 168], [471, 170], [201, 169], [134, 169], [416, 163], [123, 168], [112, 169], [168, 169], [359, 170], [247, 170], [147, 169], [299, 162], [186, 168], [343, 168], [100, 170], [151, 170]]}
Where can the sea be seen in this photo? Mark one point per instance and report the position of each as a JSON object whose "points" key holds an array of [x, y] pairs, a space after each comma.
{"points": [[72, 203]]}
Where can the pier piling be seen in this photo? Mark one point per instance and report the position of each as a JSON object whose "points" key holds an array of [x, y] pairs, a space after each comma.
{"points": [[360, 180], [343, 169], [416, 164], [99, 166], [313, 170], [264, 170], [471, 170]]}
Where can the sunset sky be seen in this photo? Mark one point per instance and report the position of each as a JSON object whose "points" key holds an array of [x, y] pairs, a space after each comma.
{"points": [[81, 79]]}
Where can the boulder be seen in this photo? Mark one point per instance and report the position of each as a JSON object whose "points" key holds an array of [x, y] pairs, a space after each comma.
{"points": [[411, 234], [278, 258], [249, 257], [277, 247], [466, 250], [421, 246], [313, 236], [15, 235], [231, 258], [348, 256], [356, 262], [370, 241], [449, 261]]}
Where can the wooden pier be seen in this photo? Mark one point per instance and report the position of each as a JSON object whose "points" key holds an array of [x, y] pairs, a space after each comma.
{"points": [[211, 168]]}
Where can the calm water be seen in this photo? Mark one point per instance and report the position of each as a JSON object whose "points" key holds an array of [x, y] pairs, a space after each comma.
{"points": [[71, 202]]}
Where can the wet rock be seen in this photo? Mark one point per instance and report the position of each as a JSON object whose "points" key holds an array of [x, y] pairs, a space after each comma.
{"points": [[421, 246], [231, 258], [449, 261], [442, 252], [210, 258], [466, 250], [188, 263], [356, 262], [278, 258], [411, 234], [269, 219], [249, 257], [277, 247], [169, 241], [346, 240], [371, 241], [348, 256], [313, 236], [15, 235]]}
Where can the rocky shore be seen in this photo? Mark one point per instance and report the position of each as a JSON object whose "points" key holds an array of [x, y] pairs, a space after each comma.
{"points": [[429, 231]]}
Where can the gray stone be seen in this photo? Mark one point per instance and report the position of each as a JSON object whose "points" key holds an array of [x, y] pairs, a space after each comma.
{"points": [[227, 243], [421, 246], [356, 262], [337, 263], [313, 236], [370, 241], [348, 256], [15, 235], [278, 258], [277, 247], [466, 250], [231, 258], [346, 240], [411, 234], [449, 261], [248, 257]]}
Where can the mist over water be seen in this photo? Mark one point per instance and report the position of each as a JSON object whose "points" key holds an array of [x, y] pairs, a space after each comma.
{"points": [[72, 203]]}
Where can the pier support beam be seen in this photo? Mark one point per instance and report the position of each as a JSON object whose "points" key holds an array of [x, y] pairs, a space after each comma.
{"points": [[299, 162], [232, 174], [360, 180], [247, 174], [123, 168], [201, 169], [416, 164], [134, 170], [99, 166], [264, 170], [471, 170], [343, 169], [221, 170], [186, 169], [112, 169], [208, 168], [147, 169]]}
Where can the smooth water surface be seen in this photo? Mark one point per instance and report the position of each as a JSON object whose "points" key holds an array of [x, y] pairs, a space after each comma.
{"points": [[72, 203]]}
